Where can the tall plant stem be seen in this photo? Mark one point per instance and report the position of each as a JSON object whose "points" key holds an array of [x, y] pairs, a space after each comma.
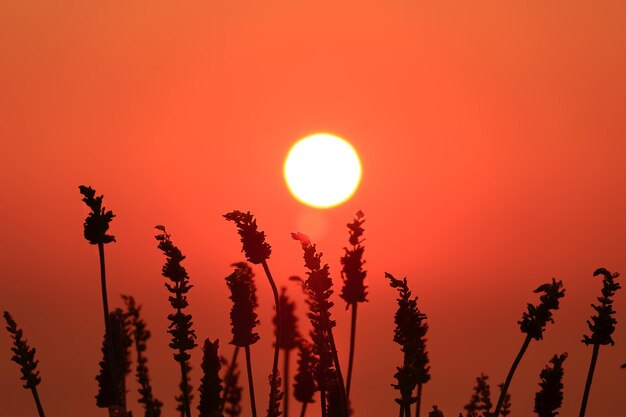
{"points": [[352, 344], [342, 388], [37, 402], [509, 377], [107, 324], [407, 410], [286, 383], [229, 375], [250, 380], [401, 410], [418, 403], [323, 401], [279, 326], [592, 368], [303, 411], [183, 373]]}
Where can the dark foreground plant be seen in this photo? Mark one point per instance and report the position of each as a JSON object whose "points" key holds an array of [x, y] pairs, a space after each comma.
{"points": [[533, 323], [480, 404], [141, 335], [258, 251], [288, 341], [506, 403], [211, 384], [243, 318], [95, 227], [231, 403], [601, 325], [304, 386], [436, 412], [318, 289], [410, 334], [354, 289], [183, 336], [110, 389], [24, 356], [550, 397]]}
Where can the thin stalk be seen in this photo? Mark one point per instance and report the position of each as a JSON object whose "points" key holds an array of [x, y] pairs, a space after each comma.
{"points": [[401, 410], [286, 383], [229, 375], [183, 372], [107, 324], [278, 329], [37, 401], [418, 403], [342, 389], [323, 402], [303, 412], [509, 377], [250, 381], [592, 368], [407, 410], [352, 344]]}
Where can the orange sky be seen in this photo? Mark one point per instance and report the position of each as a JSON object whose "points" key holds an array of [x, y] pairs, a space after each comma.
{"points": [[493, 143]]}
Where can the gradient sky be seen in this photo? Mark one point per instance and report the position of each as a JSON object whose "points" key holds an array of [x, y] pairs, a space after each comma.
{"points": [[493, 143]]}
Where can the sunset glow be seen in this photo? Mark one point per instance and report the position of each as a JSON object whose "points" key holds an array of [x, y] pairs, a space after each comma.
{"points": [[322, 170]]}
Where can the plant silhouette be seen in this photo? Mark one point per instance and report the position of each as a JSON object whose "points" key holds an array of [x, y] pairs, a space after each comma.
{"points": [[550, 397]]}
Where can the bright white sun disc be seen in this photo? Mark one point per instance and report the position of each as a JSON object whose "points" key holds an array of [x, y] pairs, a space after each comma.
{"points": [[322, 170]]}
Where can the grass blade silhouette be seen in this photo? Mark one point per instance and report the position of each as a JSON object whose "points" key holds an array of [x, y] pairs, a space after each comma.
{"points": [[354, 290], [24, 356], [601, 325], [258, 251], [183, 336], [533, 323], [95, 228]]}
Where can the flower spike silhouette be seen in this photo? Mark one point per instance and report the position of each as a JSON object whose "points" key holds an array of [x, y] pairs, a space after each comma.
{"points": [[304, 386], [289, 337], [480, 403], [410, 333], [601, 325], [354, 290], [95, 227], [183, 336], [24, 356], [549, 399], [211, 385], [242, 316], [533, 323], [318, 289], [258, 252]]}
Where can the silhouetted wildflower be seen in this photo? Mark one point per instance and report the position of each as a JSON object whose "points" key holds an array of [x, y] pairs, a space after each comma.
{"points": [[533, 323], [141, 335], [549, 399], [506, 403], [232, 392], [24, 356], [410, 334], [273, 408], [242, 315], [318, 289], [304, 386], [601, 325], [97, 222], [289, 337], [183, 336], [480, 403], [353, 275], [436, 412], [253, 241], [211, 384], [185, 387], [121, 341]]}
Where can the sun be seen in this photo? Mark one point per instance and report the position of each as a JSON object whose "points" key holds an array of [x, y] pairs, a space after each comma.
{"points": [[322, 170]]}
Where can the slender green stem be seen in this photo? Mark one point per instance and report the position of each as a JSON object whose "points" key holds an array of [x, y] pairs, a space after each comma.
{"points": [[278, 330], [592, 368], [509, 377], [37, 402], [352, 344], [286, 383], [107, 325], [185, 386], [303, 411], [418, 403], [229, 376], [250, 380]]}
